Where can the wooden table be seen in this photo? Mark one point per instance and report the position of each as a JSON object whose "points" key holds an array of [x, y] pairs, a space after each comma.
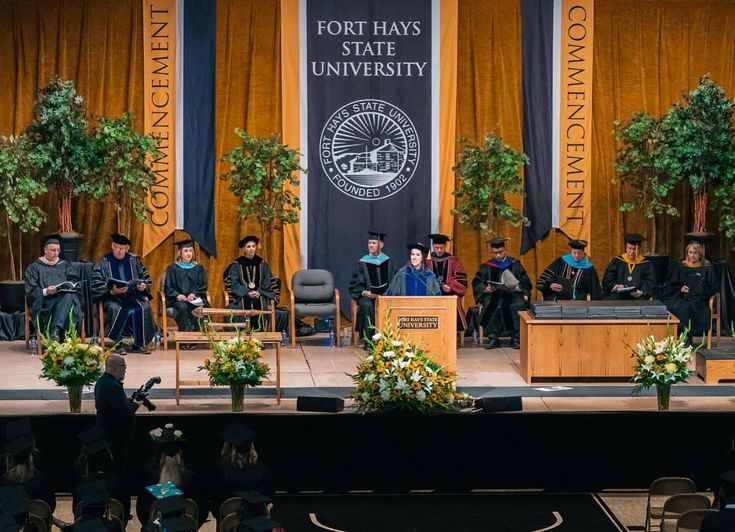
{"points": [[584, 348], [194, 337], [714, 365]]}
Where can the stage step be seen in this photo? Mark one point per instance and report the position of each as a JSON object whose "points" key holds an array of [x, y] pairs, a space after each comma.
{"points": [[715, 365]]}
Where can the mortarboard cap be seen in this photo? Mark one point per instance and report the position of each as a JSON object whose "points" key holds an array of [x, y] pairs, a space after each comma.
{"points": [[171, 506], [258, 524], [186, 243], [94, 440], [252, 502], [178, 524], [577, 244], [119, 238], [249, 238], [438, 238], [14, 500], [497, 242], [89, 525], [634, 239], [238, 434], [418, 245], [53, 238], [93, 493], [19, 445], [18, 427], [375, 235]]}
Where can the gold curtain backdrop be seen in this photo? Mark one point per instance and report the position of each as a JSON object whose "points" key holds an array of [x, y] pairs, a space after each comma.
{"points": [[646, 53]]}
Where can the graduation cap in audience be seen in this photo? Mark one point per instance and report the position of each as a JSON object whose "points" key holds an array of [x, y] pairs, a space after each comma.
{"points": [[249, 238], [253, 502], [90, 525], [258, 524], [119, 238], [14, 500], [375, 235], [578, 244], [94, 440], [181, 523], [171, 506], [418, 245], [21, 446], [53, 238], [238, 435], [186, 243], [18, 427], [438, 238], [169, 438], [497, 242], [634, 239], [93, 494]]}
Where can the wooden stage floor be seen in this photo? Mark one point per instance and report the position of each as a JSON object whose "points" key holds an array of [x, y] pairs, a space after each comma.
{"points": [[312, 366]]}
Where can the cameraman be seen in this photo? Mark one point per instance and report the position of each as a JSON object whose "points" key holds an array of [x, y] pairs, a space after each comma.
{"points": [[115, 412]]}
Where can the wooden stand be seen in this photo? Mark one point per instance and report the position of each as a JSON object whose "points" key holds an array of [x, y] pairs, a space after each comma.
{"points": [[584, 348], [714, 365], [429, 322]]}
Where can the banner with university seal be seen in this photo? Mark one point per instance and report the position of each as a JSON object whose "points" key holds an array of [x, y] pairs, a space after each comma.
{"points": [[371, 148]]}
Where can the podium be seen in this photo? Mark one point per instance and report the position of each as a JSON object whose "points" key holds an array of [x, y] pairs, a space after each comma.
{"points": [[428, 322]]}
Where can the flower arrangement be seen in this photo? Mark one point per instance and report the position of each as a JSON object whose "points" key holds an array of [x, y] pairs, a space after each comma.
{"points": [[72, 362], [398, 376], [664, 361], [237, 360], [167, 433]]}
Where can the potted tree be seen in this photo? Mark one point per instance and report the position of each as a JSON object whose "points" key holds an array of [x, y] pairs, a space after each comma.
{"points": [[699, 148], [18, 188], [637, 164], [262, 176], [64, 151], [488, 172], [122, 170]]}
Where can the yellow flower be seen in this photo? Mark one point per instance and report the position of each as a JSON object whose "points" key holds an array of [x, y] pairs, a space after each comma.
{"points": [[670, 368]]}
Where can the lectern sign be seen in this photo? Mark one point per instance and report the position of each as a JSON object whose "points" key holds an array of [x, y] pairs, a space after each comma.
{"points": [[418, 322]]}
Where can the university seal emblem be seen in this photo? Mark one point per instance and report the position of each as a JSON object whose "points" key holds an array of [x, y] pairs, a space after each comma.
{"points": [[369, 149]]}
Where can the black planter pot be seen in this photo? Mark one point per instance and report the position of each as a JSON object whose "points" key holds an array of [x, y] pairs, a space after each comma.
{"points": [[12, 294], [71, 246], [660, 267]]}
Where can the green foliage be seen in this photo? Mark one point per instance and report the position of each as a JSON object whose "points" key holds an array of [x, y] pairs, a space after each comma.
{"points": [[64, 151], [123, 167], [18, 184], [487, 173], [262, 176]]}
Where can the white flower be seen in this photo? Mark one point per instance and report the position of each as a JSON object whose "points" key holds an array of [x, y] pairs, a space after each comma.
{"points": [[385, 395], [365, 396], [402, 363], [397, 343], [383, 385], [409, 354], [389, 354], [370, 377], [178, 434], [649, 359], [69, 361], [168, 426], [376, 337], [369, 358], [416, 376], [156, 433], [402, 385], [421, 395]]}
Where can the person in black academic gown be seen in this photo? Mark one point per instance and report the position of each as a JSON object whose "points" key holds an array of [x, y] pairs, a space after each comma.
{"points": [[629, 270], [48, 303], [571, 276], [248, 282], [687, 289], [185, 286], [724, 520], [238, 468], [126, 305], [370, 279], [500, 302], [415, 279]]}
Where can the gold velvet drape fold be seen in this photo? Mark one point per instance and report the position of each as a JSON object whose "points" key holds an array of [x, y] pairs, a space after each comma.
{"points": [[646, 53]]}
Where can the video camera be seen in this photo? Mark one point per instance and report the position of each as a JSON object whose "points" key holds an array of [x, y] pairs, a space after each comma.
{"points": [[141, 394]]}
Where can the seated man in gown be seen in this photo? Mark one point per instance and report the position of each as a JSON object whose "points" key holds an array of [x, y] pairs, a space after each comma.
{"points": [[248, 282], [629, 276], [502, 287], [370, 279], [571, 276], [52, 291], [415, 279], [120, 282]]}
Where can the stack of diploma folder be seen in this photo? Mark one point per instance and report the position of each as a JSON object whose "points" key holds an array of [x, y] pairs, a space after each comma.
{"points": [[598, 310]]}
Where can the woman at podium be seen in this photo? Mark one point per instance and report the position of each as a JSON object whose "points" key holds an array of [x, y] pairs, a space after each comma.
{"points": [[414, 279], [689, 285]]}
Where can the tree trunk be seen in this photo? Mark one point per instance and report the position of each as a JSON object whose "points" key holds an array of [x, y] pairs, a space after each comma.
{"points": [[65, 225], [653, 234], [265, 234], [20, 255], [10, 247], [700, 212]]}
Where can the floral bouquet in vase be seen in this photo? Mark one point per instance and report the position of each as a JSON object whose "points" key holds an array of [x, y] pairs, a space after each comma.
{"points": [[662, 363], [72, 363], [398, 376], [236, 362]]}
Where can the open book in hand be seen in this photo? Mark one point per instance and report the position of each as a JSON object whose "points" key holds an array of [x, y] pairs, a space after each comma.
{"points": [[68, 286], [121, 283], [625, 289], [505, 281], [197, 302]]}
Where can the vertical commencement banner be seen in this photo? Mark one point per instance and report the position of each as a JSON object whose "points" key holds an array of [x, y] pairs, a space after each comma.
{"points": [[368, 117], [159, 63], [575, 118]]}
